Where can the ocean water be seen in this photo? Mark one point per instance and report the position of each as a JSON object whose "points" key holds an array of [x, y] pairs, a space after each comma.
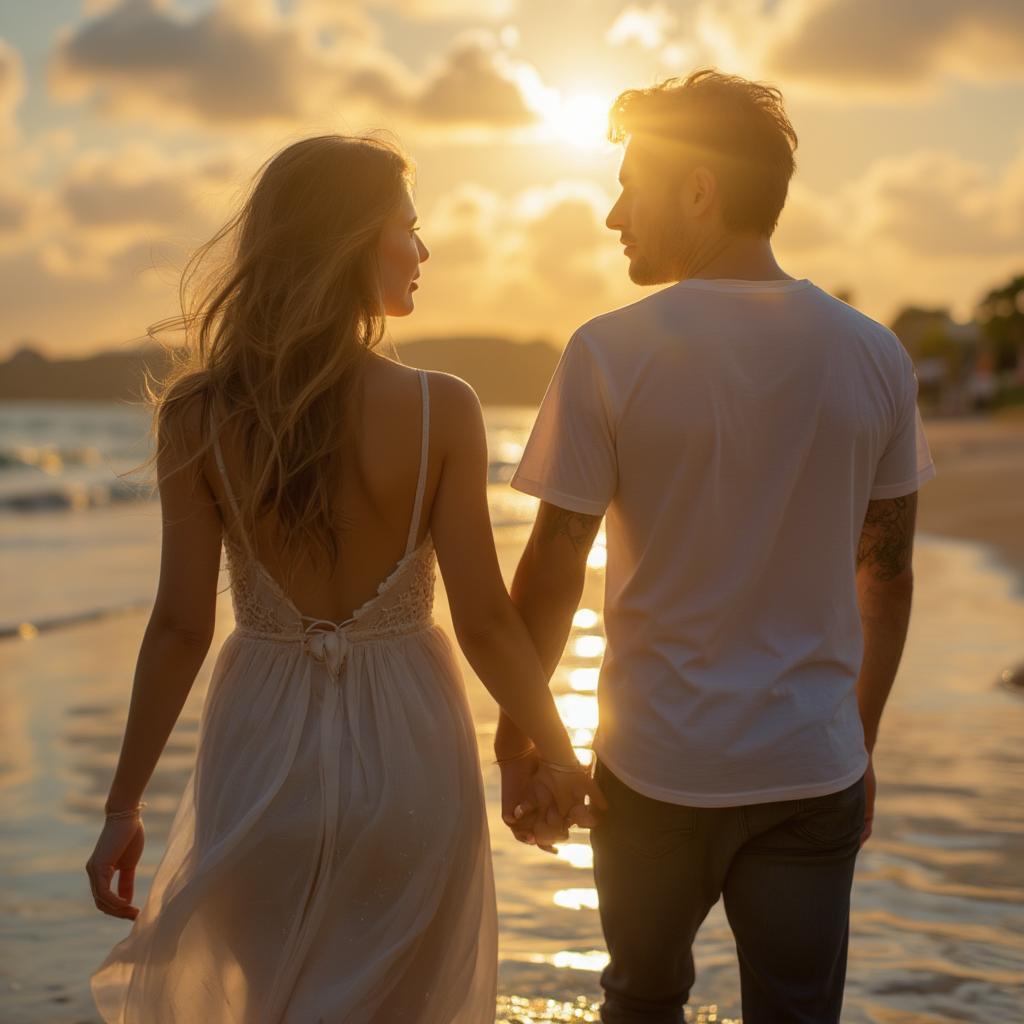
{"points": [[938, 905]]}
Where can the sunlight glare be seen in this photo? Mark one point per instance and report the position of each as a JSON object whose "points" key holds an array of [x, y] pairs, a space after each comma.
{"points": [[579, 119]]}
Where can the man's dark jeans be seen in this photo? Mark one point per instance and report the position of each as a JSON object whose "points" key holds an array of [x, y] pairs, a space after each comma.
{"points": [[784, 870]]}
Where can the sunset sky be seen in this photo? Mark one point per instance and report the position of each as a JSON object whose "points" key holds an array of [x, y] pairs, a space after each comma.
{"points": [[128, 129]]}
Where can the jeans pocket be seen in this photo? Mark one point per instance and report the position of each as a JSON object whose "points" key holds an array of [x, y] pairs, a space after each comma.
{"points": [[834, 819], [646, 826]]}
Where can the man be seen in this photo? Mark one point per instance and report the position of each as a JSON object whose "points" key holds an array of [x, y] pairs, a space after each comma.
{"points": [[757, 448]]}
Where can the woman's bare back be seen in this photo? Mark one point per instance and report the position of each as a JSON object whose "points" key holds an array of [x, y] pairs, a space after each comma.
{"points": [[374, 496]]}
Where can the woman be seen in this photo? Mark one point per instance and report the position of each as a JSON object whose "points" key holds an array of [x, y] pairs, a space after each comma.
{"points": [[330, 859]]}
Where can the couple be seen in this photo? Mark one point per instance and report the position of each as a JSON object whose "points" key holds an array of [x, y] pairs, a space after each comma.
{"points": [[756, 446]]}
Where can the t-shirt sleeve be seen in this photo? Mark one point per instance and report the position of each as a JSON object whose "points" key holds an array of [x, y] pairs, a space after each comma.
{"points": [[906, 462], [569, 460]]}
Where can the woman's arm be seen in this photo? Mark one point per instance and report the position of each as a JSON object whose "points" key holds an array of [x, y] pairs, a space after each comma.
{"points": [[487, 625], [175, 643]]}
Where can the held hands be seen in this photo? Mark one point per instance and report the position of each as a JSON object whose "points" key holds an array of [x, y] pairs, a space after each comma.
{"points": [[117, 851], [540, 803]]}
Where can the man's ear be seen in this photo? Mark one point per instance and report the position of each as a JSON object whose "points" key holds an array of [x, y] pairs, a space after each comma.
{"points": [[701, 191]]}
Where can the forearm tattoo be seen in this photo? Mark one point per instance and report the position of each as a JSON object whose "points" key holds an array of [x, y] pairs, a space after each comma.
{"points": [[887, 538], [579, 529]]}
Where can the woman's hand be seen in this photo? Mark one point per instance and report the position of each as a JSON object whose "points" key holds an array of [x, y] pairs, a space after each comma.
{"points": [[117, 851], [516, 782]]}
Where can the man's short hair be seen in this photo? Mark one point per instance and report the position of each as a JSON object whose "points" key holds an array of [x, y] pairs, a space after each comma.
{"points": [[738, 128]]}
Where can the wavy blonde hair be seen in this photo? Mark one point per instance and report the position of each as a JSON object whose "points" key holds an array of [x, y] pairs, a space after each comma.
{"points": [[276, 325]]}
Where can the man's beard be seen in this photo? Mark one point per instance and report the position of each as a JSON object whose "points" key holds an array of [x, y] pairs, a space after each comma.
{"points": [[642, 271], [663, 266]]}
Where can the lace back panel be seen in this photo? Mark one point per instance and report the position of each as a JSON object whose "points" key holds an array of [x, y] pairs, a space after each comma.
{"points": [[404, 600]]}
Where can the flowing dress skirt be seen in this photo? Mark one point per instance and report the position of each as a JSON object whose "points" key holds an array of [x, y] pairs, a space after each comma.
{"points": [[330, 859]]}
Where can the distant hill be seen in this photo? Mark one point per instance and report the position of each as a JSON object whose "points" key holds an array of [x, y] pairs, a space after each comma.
{"points": [[105, 375], [502, 371]]}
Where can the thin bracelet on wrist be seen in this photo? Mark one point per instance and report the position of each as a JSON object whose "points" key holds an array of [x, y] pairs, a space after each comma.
{"points": [[516, 757], [128, 812]]}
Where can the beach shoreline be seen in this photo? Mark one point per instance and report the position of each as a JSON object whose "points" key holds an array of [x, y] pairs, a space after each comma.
{"points": [[978, 491]]}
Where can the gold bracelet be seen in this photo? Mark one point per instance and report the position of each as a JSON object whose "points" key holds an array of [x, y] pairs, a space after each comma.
{"points": [[516, 757], [128, 812]]}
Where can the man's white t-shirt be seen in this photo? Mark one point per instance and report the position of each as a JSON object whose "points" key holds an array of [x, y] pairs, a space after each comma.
{"points": [[733, 432]]}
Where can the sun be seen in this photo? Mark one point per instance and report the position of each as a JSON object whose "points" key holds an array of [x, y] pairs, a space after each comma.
{"points": [[576, 117], [579, 119]]}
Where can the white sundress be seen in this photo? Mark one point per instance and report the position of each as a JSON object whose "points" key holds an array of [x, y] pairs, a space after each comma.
{"points": [[329, 862]]}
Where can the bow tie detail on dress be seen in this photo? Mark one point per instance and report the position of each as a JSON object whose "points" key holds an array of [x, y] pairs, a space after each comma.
{"points": [[329, 646]]}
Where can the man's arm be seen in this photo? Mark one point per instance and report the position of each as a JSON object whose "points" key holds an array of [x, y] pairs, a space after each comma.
{"points": [[546, 590], [885, 586]]}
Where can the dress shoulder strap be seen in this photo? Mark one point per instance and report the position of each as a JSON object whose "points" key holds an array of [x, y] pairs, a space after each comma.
{"points": [[421, 480]]}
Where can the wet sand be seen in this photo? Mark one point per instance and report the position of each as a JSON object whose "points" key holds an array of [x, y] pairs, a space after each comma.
{"points": [[978, 492]]}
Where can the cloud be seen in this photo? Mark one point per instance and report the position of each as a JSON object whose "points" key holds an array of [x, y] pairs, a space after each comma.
{"points": [[475, 84], [449, 10], [223, 65], [938, 205], [74, 313], [811, 223], [931, 205], [647, 26], [568, 243], [539, 260], [110, 210], [12, 88], [19, 206], [248, 63], [96, 255], [465, 228], [840, 49], [878, 43], [98, 200], [13, 211], [138, 184], [929, 228]]}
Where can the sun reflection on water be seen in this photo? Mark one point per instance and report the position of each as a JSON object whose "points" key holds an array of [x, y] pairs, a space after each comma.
{"points": [[579, 855], [578, 711], [573, 959], [517, 1010], [582, 737], [588, 646], [576, 899], [585, 618], [584, 680]]}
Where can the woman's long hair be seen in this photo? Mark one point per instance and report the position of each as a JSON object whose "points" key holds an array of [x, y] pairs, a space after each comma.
{"points": [[274, 328]]}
